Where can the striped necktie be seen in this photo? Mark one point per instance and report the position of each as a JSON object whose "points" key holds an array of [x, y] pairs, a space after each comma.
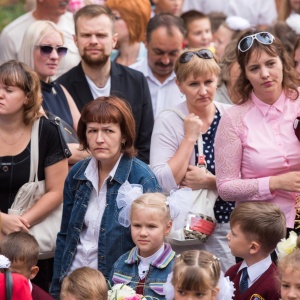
{"points": [[244, 281]]}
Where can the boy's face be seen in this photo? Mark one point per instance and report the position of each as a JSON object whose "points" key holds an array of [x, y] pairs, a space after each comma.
{"points": [[238, 242], [199, 33], [21, 268]]}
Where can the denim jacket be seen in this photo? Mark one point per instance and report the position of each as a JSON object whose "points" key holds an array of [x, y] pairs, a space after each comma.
{"points": [[114, 239], [126, 271]]}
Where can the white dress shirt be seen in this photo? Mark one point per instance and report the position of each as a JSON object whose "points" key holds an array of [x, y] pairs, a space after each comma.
{"points": [[163, 95], [256, 270], [87, 249]]}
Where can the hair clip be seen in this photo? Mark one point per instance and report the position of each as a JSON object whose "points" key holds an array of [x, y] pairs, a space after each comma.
{"points": [[4, 262], [167, 204], [215, 257]]}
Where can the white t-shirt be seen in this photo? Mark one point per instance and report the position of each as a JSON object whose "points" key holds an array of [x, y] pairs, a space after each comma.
{"points": [[97, 91]]}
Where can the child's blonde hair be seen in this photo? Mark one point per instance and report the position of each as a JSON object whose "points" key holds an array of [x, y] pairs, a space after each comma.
{"points": [[196, 270], [290, 260], [155, 201], [84, 284]]}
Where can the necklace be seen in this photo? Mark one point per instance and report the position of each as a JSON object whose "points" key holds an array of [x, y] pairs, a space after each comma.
{"points": [[16, 141]]}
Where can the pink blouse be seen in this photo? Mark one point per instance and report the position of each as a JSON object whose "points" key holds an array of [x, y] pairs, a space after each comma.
{"points": [[255, 141]]}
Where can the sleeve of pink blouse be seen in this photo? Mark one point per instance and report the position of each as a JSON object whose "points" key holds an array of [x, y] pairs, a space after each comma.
{"points": [[228, 160]]}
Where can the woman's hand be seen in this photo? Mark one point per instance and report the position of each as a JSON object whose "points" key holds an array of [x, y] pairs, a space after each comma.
{"points": [[11, 223], [287, 182], [192, 127], [198, 178]]}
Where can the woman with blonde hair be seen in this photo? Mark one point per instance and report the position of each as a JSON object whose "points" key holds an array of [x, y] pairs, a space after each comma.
{"points": [[132, 17], [43, 50], [173, 154]]}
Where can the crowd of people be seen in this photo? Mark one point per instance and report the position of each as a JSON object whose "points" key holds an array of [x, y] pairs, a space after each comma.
{"points": [[162, 98]]}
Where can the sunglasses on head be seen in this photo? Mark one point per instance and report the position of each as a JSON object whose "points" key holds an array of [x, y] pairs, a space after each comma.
{"points": [[203, 53], [246, 43], [47, 50]]}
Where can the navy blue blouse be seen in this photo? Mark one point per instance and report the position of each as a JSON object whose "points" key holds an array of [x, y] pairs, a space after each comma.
{"points": [[55, 101], [222, 208]]}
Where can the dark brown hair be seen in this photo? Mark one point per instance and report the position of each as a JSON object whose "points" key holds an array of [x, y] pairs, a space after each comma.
{"points": [[290, 76], [109, 109], [261, 221]]}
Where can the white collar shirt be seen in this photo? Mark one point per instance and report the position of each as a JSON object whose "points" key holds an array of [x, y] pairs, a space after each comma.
{"points": [[257, 269], [87, 249], [163, 95]]}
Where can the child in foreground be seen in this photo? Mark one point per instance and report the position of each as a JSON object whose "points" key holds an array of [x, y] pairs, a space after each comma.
{"points": [[22, 250], [197, 275], [146, 267], [84, 284], [256, 228], [289, 274]]}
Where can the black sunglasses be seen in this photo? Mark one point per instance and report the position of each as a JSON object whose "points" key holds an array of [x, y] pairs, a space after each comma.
{"points": [[246, 43], [47, 50], [203, 53]]}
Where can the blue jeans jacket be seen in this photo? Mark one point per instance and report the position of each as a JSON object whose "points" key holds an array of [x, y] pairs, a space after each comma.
{"points": [[114, 239], [126, 271]]}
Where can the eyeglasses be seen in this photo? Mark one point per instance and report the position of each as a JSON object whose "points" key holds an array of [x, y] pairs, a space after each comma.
{"points": [[246, 43], [47, 50], [203, 53]]}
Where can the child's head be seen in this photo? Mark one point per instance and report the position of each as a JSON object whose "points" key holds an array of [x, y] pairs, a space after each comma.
{"points": [[168, 6], [198, 29], [256, 228], [22, 250], [196, 273], [289, 274], [150, 222], [84, 284]]}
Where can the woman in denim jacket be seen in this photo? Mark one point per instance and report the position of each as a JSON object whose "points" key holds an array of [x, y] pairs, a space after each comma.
{"points": [[90, 233]]}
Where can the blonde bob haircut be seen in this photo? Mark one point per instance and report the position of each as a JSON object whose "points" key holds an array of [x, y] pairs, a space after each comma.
{"points": [[135, 13], [196, 66], [84, 284], [196, 270], [16, 73], [153, 201], [32, 38]]}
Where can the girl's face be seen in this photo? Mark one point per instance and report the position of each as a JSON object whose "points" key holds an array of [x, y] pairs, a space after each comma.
{"points": [[121, 27], [222, 38], [290, 284], [46, 64], [195, 295], [265, 74], [148, 230]]}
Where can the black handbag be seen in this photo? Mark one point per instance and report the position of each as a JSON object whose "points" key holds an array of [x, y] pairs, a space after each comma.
{"points": [[8, 285], [68, 133]]}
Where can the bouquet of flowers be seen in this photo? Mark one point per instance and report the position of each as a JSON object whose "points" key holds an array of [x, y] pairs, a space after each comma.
{"points": [[123, 292]]}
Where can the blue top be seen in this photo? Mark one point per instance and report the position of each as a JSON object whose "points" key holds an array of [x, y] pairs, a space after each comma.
{"points": [[55, 101], [222, 208], [141, 55]]}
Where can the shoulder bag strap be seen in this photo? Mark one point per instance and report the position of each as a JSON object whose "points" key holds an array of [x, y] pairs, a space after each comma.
{"points": [[8, 285], [34, 151], [201, 158]]}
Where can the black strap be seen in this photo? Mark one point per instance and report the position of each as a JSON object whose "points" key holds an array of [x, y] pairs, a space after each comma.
{"points": [[8, 285]]}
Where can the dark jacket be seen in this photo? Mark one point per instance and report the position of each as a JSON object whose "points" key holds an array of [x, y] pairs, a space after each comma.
{"points": [[127, 84]]}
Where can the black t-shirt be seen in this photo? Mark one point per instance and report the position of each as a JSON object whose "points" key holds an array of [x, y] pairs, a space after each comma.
{"points": [[15, 170]]}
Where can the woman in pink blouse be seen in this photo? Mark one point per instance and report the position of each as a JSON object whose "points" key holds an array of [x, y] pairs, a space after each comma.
{"points": [[257, 153]]}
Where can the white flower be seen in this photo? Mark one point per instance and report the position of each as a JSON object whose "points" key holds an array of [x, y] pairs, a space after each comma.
{"points": [[120, 291], [4, 262], [287, 246]]}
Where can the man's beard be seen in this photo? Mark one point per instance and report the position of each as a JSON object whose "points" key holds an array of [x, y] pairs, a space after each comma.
{"points": [[98, 61]]}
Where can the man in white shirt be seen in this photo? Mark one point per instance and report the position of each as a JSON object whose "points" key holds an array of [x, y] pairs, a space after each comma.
{"points": [[53, 10], [164, 39]]}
